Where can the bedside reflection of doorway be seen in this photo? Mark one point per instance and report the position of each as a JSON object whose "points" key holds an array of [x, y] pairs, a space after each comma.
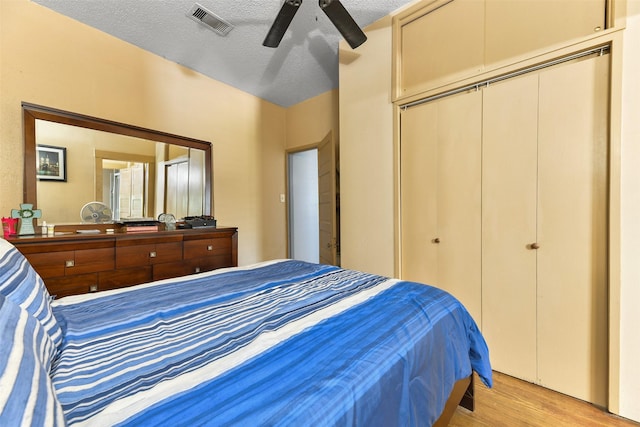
{"points": [[124, 185], [183, 182], [177, 188]]}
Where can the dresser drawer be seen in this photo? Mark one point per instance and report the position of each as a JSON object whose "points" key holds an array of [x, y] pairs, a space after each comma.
{"points": [[148, 254], [198, 265], [69, 263], [51, 264], [72, 285], [170, 269], [91, 260], [124, 277], [206, 247]]}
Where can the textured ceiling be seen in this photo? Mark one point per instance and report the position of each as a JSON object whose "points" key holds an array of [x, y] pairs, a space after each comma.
{"points": [[303, 66]]}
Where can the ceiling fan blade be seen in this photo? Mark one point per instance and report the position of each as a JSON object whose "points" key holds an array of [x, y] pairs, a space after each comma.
{"points": [[343, 22], [281, 23]]}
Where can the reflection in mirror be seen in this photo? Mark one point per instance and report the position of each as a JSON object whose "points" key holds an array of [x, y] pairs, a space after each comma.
{"points": [[135, 177], [124, 189]]}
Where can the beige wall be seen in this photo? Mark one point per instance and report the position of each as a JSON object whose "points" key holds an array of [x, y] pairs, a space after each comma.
{"points": [[51, 60], [309, 122], [366, 153]]}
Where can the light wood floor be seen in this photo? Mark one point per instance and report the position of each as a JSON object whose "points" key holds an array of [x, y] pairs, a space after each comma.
{"points": [[512, 402]]}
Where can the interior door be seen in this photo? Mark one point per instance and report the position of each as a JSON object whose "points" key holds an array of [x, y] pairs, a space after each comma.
{"points": [[328, 238], [441, 193]]}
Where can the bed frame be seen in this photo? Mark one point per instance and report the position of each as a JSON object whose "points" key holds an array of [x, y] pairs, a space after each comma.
{"points": [[461, 395]]}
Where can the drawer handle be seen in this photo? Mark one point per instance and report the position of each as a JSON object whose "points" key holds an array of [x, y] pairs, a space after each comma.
{"points": [[93, 288], [197, 270], [209, 247], [153, 254], [69, 263]]}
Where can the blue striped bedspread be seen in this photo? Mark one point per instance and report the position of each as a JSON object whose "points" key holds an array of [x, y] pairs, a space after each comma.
{"points": [[278, 343]]}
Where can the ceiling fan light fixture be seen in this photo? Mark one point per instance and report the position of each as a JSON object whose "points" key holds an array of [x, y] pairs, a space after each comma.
{"points": [[343, 21], [281, 23]]}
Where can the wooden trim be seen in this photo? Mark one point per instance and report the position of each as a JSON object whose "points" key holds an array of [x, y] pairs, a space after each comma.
{"points": [[615, 227], [397, 200], [81, 120], [29, 170]]}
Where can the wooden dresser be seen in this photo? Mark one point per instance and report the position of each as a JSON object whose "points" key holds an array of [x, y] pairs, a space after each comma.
{"points": [[76, 263]]}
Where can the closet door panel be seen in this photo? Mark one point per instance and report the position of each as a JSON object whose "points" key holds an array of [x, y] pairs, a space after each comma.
{"points": [[441, 192], [509, 224], [572, 259], [516, 27], [459, 198], [443, 44], [419, 193]]}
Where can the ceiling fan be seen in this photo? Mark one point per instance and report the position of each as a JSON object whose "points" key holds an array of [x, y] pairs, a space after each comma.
{"points": [[334, 10]]}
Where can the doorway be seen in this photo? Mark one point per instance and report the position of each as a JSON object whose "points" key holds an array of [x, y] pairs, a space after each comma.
{"points": [[313, 210], [304, 229]]}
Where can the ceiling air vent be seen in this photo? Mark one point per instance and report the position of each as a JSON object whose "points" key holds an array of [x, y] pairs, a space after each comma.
{"points": [[210, 20]]}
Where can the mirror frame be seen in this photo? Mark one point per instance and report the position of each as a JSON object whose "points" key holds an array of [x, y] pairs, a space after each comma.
{"points": [[31, 112]]}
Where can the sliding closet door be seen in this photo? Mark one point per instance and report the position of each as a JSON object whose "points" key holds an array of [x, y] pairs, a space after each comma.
{"points": [[459, 199], [440, 197], [544, 225], [510, 122], [572, 229], [419, 193]]}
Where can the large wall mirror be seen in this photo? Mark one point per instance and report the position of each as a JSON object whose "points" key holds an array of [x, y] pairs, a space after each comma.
{"points": [[71, 160]]}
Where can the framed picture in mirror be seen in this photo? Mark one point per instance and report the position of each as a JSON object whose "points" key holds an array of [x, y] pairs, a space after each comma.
{"points": [[51, 163]]}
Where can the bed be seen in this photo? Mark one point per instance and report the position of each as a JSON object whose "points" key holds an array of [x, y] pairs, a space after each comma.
{"points": [[277, 343]]}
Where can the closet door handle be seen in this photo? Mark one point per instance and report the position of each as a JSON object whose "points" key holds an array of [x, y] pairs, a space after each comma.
{"points": [[436, 240], [534, 246]]}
